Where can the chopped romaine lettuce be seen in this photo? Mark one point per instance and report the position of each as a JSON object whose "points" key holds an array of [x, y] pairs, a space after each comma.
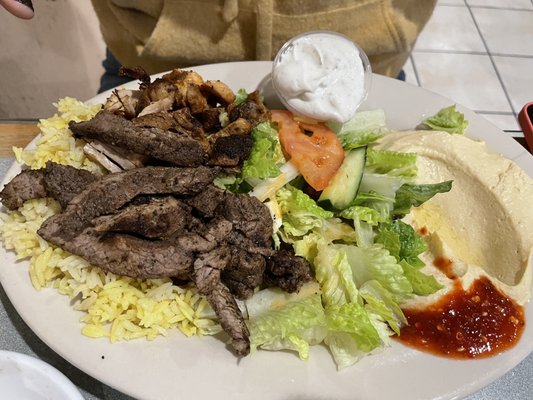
{"points": [[367, 214], [365, 259], [406, 245], [351, 333], [240, 96], [375, 263], [402, 241], [268, 188], [447, 119], [334, 274], [409, 195], [391, 162], [365, 127], [379, 301], [300, 212], [423, 284], [265, 155], [293, 327]]}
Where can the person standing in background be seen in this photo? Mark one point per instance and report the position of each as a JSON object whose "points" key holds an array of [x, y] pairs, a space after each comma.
{"points": [[163, 34]]}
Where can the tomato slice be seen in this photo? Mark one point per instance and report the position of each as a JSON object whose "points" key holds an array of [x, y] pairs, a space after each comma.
{"points": [[312, 147]]}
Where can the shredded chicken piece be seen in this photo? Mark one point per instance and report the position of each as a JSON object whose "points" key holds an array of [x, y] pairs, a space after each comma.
{"points": [[109, 151], [100, 158], [161, 105], [123, 102], [220, 91]]}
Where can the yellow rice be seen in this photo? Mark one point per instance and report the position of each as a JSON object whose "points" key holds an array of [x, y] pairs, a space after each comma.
{"points": [[115, 307]]}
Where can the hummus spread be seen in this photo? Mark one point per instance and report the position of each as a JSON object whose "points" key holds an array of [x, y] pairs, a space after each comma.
{"points": [[484, 225]]}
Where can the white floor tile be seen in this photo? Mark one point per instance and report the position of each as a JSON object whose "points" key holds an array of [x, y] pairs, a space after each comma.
{"points": [[451, 2], [450, 28], [467, 79], [410, 76], [517, 76], [506, 31], [519, 4], [505, 122]]}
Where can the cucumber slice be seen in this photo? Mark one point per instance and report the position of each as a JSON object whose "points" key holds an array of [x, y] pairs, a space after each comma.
{"points": [[344, 186]]}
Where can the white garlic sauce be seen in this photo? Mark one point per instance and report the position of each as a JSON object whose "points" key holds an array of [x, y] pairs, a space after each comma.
{"points": [[321, 76]]}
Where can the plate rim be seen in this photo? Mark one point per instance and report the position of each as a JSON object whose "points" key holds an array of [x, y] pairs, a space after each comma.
{"points": [[488, 378]]}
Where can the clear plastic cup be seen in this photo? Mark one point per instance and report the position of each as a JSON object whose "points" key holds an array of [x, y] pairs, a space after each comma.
{"points": [[362, 65]]}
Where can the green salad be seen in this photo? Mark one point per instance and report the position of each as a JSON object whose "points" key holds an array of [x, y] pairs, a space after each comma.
{"points": [[364, 256]]}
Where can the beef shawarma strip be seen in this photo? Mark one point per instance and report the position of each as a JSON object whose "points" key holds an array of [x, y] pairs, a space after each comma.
{"points": [[160, 218], [249, 216], [244, 272], [287, 271], [230, 151], [128, 255], [62, 182], [207, 201], [180, 150], [113, 191], [29, 184], [207, 271], [204, 238]]}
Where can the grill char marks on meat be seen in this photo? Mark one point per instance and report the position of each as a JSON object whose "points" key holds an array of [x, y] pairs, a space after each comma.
{"points": [[160, 218], [231, 145], [252, 109], [135, 73], [27, 185], [249, 217], [207, 201], [244, 272], [127, 255], [287, 271], [113, 191], [207, 271], [173, 110], [180, 150], [155, 222], [62, 182]]}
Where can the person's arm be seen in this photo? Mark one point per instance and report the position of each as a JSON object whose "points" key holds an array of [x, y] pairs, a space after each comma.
{"points": [[19, 8]]}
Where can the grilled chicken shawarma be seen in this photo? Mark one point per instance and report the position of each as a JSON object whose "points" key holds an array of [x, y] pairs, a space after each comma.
{"points": [[178, 118]]}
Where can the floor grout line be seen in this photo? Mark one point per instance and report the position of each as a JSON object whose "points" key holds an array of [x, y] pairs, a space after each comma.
{"points": [[491, 58], [472, 52], [501, 8], [507, 113], [486, 7]]}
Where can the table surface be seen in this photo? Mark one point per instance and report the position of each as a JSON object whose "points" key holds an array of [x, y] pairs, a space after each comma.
{"points": [[15, 335]]}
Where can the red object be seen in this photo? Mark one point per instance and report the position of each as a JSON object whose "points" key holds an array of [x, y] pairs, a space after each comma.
{"points": [[472, 323], [313, 148], [525, 118]]}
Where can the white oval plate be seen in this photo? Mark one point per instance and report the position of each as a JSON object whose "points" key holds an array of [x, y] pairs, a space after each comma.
{"points": [[23, 377], [201, 368]]}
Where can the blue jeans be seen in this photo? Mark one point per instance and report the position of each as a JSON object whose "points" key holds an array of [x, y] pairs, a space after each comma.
{"points": [[110, 78]]}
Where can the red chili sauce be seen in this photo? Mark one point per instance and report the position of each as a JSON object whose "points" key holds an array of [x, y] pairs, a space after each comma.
{"points": [[478, 322], [446, 266]]}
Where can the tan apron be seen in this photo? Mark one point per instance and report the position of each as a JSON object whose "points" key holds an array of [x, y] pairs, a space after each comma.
{"points": [[164, 34]]}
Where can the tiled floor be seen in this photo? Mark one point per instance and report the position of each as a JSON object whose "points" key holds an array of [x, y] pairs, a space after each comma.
{"points": [[479, 53]]}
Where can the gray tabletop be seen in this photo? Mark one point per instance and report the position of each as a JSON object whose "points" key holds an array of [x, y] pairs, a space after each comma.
{"points": [[15, 335]]}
